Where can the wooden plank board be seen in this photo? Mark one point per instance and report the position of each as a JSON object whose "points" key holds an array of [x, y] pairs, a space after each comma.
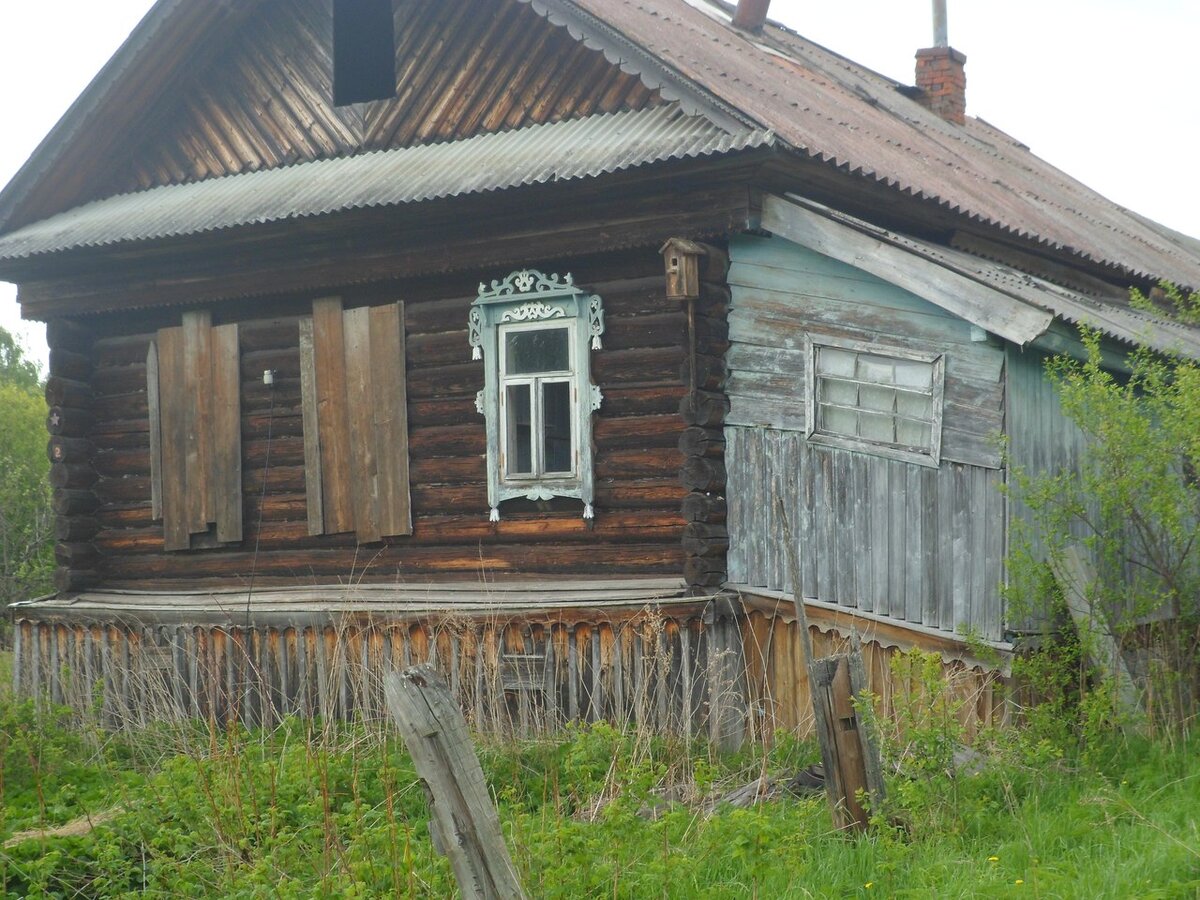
{"points": [[155, 426], [312, 430], [197, 378], [391, 417], [972, 300], [330, 354], [464, 822], [362, 472], [174, 421], [226, 408]]}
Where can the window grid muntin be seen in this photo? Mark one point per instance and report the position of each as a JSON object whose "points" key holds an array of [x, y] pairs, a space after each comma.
{"points": [[535, 382], [828, 372]]}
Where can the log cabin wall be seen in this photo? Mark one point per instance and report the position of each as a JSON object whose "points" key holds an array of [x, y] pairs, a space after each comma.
{"points": [[638, 525], [895, 539]]}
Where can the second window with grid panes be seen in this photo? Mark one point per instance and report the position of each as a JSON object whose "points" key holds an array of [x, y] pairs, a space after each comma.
{"points": [[877, 399]]}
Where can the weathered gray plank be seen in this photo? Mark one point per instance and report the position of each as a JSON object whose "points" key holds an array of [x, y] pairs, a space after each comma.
{"points": [[155, 426], [359, 399], [225, 446], [390, 408], [312, 430], [330, 356], [173, 405], [981, 305], [464, 823], [198, 450]]}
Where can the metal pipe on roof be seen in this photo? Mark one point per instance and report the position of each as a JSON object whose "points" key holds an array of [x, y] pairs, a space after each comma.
{"points": [[941, 34], [751, 14]]}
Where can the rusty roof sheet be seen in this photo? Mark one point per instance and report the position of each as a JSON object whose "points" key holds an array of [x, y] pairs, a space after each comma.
{"points": [[573, 149], [835, 110]]}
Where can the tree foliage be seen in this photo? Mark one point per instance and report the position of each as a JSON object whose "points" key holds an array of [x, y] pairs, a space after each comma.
{"points": [[1133, 502], [26, 561]]}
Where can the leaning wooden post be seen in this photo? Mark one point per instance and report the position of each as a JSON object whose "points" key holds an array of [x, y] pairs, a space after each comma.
{"points": [[463, 821], [849, 753]]}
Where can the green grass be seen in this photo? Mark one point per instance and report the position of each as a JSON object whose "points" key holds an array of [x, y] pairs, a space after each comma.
{"points": [[298, 813], [6, 674]]}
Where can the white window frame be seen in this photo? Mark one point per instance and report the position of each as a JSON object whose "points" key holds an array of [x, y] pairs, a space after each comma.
{"points": [[527, 300], [537, 414], [930, 457]]}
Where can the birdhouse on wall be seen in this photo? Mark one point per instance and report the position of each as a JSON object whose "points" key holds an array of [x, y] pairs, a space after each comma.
{"points": [[682, 261]]}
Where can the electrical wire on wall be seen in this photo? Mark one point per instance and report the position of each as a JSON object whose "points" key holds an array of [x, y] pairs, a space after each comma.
{"points": [[269, 381]]}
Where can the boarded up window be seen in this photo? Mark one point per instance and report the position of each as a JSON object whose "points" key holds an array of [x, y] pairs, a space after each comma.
{"points": [[352, 378], [195, 433]]}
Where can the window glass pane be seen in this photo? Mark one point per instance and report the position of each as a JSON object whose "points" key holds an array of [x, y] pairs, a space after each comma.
{"points": [[835, 362], [910, 373], [556, 422], [915, 406], [543, 350], [877, 398], [838, 421], [843, 393], [876, 369], [877, 428], [519, 451], [914, 434]]}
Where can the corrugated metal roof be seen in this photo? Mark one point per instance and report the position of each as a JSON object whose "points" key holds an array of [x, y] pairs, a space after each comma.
{"points": [[842, 113], [561, 151]]}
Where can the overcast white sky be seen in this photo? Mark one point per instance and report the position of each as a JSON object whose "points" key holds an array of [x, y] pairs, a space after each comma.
{"points": [[1104, 89]]}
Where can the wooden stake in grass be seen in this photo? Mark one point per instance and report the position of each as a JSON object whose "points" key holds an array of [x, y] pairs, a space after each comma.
{"points": [[463, 820], [848, 749]]}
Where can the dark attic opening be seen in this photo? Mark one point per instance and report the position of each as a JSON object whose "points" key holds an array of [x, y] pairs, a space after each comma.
{"points": [[364, 51]]}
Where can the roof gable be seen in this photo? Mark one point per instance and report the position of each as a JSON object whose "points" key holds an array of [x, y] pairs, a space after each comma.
{"points": [[258, 94], [462, 68]]}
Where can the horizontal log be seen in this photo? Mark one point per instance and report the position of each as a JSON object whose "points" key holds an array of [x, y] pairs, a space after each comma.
{"points": [[702, 571], [69, 422], [698, 441], [704, 408], [698, 507], [703, 539], [712, 334], [67, 579], [75, 502], [711, 372], [75, 528], [68, 392], [72, 475], [70, 364], [60, 449], [701, 474], [352, 563], [617, 527], [68, 334], [75, 555]]}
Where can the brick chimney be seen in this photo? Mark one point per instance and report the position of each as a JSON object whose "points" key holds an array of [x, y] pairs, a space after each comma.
{"points": [[751, 14], [941, 74]]}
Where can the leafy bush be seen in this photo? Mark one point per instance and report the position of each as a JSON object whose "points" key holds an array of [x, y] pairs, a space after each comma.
{"points": [[1133, 504]]}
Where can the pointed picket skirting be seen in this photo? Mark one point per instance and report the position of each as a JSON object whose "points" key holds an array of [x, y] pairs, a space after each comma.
{"points": [[667, 670]]}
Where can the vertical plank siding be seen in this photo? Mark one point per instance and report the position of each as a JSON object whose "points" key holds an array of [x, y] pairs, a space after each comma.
{"points": [[778, 688], [511, 676], [912, 543], [915, 544]]}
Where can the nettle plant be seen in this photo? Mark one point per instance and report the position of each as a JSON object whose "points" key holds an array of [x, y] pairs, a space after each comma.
{"points": [[1133, 505]]}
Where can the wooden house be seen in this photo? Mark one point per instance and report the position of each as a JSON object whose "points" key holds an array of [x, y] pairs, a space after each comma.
{"points": [[490, 332]]}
